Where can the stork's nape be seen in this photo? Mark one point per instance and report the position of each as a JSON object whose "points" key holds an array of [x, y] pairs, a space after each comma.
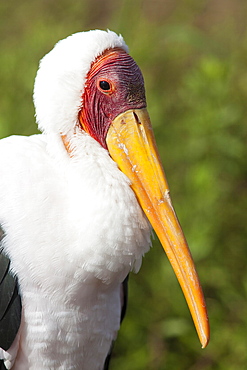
{"points": [[94, 174]]}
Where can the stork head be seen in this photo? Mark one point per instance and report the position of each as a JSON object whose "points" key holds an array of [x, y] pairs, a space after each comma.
{"points": [[90, 81]]}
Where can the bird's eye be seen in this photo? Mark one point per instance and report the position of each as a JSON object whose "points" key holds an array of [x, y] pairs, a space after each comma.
{"points": [[105, 85]]}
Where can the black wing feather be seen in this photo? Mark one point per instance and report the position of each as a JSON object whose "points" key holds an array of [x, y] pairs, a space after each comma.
{"points": [[125, 297], [2, 366], [10, 302]]}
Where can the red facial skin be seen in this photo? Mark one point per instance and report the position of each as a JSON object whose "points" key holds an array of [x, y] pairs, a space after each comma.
{"points": [[103, 102]]}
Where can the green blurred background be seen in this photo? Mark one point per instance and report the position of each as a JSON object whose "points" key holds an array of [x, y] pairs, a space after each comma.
{"points": [[193, 55]]}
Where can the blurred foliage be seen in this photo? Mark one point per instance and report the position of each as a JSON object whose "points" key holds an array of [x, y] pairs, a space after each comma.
{"points": [[193, 55]]}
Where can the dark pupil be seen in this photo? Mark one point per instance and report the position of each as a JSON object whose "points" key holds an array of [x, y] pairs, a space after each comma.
{"points": [[104, 85]]}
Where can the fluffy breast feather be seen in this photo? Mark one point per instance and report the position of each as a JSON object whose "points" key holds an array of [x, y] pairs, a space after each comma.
{"points": [[80, 209], [74, 230]]}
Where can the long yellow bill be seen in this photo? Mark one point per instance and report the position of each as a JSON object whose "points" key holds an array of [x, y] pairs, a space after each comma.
{"points": [[132, 146]]}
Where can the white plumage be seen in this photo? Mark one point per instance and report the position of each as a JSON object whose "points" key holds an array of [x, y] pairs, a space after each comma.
{"points": [[63, 259]]}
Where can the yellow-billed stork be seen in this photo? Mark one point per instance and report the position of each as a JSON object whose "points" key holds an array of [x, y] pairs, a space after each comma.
{"points": [[76, 204]]}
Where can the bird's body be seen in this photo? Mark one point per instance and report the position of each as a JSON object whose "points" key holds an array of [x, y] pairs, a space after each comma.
{"points": [[84, 283], [75, 207]]}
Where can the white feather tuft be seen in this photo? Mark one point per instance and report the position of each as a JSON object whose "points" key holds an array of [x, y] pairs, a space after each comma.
{"points": [[60, 80]]}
